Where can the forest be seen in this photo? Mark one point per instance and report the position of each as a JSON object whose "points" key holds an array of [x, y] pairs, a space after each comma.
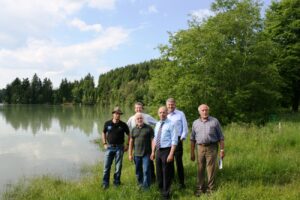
{"points": [[241, 61]]}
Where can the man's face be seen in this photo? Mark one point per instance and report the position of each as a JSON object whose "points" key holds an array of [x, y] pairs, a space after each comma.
{"points": [[116, 116], [138, 108], [139, 120], [162, 113], [203, 111], [171, 106]]}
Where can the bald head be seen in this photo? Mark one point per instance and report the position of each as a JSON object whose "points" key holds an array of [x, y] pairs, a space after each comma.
{"points": [[162, 112]]}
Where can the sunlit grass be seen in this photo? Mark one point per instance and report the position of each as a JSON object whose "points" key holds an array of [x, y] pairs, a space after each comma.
{"points": [[260, 163]]}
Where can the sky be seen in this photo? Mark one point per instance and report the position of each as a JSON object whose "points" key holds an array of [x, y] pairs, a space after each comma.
{"points": [[60, 39]]}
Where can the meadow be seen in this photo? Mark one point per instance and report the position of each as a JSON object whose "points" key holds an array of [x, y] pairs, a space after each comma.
{"points": [[261, 162]]}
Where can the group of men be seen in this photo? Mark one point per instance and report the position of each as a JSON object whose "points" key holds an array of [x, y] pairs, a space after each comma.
{"points": [[163, 144]]}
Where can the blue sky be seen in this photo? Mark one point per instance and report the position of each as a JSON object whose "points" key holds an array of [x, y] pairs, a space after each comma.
{"points": [[70, 38]]}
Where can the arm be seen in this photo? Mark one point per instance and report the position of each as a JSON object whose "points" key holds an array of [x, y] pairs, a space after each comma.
{"points": [[151, 121], [104, 142], [184, 127], [130, 151], [153, 146], [221, 139], [174, 144], [128, 137], [171, 154], [193, 142], [222, 152]]}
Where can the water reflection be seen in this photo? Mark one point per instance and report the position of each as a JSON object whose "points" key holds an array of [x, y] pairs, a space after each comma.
{"points": [[55, 140]]}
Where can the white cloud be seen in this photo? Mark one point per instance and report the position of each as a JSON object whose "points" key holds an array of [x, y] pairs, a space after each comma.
{"points": [[21, 18], [56, 61], [82, 26], [30, 39], [102, 4], [202, 14], [150, 10]]}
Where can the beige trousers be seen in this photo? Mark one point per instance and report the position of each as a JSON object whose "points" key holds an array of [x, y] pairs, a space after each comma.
{"points": [[206, 159]]}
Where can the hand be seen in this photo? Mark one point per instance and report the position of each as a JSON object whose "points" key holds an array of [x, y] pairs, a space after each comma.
{"points": [[152, 156], [125, 148], [170, 158], [130, 157], [222, 154], [192, 156], [105, 146]]}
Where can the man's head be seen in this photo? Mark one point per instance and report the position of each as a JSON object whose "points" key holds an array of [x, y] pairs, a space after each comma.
{"points": [[138, 107], [203, 111], [162, 113], [171, 104], [117, 113], [139, 119]]}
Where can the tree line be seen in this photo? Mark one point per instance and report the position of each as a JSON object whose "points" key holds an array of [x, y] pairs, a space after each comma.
{"points": [[246, 66]]}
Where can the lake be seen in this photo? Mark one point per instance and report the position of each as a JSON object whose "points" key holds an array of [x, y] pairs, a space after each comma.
{"points": [[51, 140]]}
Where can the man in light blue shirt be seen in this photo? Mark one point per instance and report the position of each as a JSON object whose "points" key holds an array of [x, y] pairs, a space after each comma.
{"points": [[179, 120], [148, 119], [165, 141]]}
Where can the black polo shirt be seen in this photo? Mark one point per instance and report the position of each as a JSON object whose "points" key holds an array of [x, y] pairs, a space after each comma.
{"points": [[115, 132]]}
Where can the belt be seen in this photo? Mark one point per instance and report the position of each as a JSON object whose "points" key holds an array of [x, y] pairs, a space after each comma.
{"points": [[208, 144], [163, 149], [115, 145]]}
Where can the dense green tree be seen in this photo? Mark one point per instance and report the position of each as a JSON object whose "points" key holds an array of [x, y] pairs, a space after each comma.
{"points": [[283, 26], [47, 91], [2, 94], [127, 84], [88, 88], [17, 92], [65, 91], [223, 61], [26, 91], [36, 86]]}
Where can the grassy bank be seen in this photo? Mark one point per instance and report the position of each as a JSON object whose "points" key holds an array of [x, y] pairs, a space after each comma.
{"points": [[260, 163]]}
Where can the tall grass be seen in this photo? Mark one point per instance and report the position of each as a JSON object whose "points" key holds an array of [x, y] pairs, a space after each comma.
{"points": [[260, 163]]}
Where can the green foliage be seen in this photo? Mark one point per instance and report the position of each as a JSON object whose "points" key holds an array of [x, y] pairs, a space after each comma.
{"points": [[26, 92], [2, 95], [125, 85], [224, 62], [283, 27]]}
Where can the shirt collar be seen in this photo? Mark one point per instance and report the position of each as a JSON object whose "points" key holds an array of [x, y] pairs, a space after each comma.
{"points": [[208, 119]]}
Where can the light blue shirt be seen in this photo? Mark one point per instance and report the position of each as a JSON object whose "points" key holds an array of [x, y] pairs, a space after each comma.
{"points": [[179, 120], [148, 119], [169, 134]]}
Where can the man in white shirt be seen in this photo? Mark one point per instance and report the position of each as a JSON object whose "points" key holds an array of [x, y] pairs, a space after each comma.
{"points": [[148, 119], [179, 120]]}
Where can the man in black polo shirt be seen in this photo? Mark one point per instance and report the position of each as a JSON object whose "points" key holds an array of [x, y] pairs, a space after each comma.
{"points": [[113, 140]]}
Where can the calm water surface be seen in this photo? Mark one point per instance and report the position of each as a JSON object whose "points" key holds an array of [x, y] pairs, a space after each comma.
{"points": [[48, 140]]}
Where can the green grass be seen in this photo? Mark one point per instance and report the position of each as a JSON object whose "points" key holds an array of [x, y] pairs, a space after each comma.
{"points": [[260, 163]]}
